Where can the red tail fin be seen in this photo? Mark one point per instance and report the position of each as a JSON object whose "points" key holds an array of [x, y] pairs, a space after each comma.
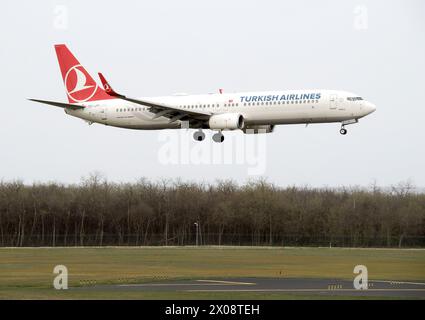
{"points": [[79, 85]]}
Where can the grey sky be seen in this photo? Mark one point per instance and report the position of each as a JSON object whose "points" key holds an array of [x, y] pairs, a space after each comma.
{"points": [[163, 47]]}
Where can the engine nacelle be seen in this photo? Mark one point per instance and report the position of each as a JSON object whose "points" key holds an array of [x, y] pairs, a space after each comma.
{"points": [[255, 129], [226, 121]]}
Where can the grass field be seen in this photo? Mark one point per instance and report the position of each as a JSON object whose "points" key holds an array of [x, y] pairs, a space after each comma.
{"points": [[27, 273]]}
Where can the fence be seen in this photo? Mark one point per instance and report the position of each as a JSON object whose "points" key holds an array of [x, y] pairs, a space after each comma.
{"points": [[13, 240]]}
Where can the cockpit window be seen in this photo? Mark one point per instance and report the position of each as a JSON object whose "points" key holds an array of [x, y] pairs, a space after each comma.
{"points": [[354, 98]]}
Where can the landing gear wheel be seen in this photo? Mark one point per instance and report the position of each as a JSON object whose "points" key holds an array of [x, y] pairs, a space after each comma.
{"points": [[199, 136], [218, 137], [343, 131]]}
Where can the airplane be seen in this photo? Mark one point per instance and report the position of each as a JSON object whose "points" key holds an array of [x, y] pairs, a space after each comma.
{"points": [[251, 112]]}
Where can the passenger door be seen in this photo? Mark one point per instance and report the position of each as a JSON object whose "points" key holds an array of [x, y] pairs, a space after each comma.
{"points": [[333, 101], [101, 114]]}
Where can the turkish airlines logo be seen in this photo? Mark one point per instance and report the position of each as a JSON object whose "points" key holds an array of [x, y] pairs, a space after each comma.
{"points": [[77, 87]]}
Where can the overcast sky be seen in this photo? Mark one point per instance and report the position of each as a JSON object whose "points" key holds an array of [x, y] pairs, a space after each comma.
{"points": [[373, 48]]}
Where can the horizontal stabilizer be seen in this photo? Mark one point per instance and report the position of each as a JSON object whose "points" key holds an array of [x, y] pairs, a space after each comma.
{"points": [[59, 104]]}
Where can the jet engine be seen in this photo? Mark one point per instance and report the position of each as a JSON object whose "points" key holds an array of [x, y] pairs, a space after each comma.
{"points": [[226, 121]]}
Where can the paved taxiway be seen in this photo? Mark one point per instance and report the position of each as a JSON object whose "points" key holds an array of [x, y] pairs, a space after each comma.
{"points": [[324, 287]]}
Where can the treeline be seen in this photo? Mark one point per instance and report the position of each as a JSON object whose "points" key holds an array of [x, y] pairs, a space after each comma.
{"points": [[98, 213]]}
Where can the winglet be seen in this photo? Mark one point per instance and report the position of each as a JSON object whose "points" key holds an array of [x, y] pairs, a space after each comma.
{"points": [[107, 87]]}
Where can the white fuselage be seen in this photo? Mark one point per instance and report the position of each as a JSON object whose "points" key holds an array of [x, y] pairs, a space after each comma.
{"points": [[257, 108]]}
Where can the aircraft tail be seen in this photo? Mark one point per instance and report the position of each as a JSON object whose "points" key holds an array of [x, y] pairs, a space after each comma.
{"points": [[79, 85]]}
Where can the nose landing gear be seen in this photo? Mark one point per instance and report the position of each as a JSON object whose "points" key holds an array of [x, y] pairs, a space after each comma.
{"points": [[343, 131]]}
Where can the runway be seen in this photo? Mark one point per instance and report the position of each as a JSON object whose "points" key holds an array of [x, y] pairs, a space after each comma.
{"points": [[320, 287]]}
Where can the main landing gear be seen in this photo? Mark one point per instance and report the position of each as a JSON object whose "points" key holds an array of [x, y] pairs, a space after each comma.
{"points": [[218, 137], [199, 135], [343, 131]]}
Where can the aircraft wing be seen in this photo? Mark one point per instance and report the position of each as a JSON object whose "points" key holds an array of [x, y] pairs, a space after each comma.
{"points": [[160, 110], [59, 104]]}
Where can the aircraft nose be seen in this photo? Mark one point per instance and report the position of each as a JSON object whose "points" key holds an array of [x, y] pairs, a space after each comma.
{"points": [[370, 107]]}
